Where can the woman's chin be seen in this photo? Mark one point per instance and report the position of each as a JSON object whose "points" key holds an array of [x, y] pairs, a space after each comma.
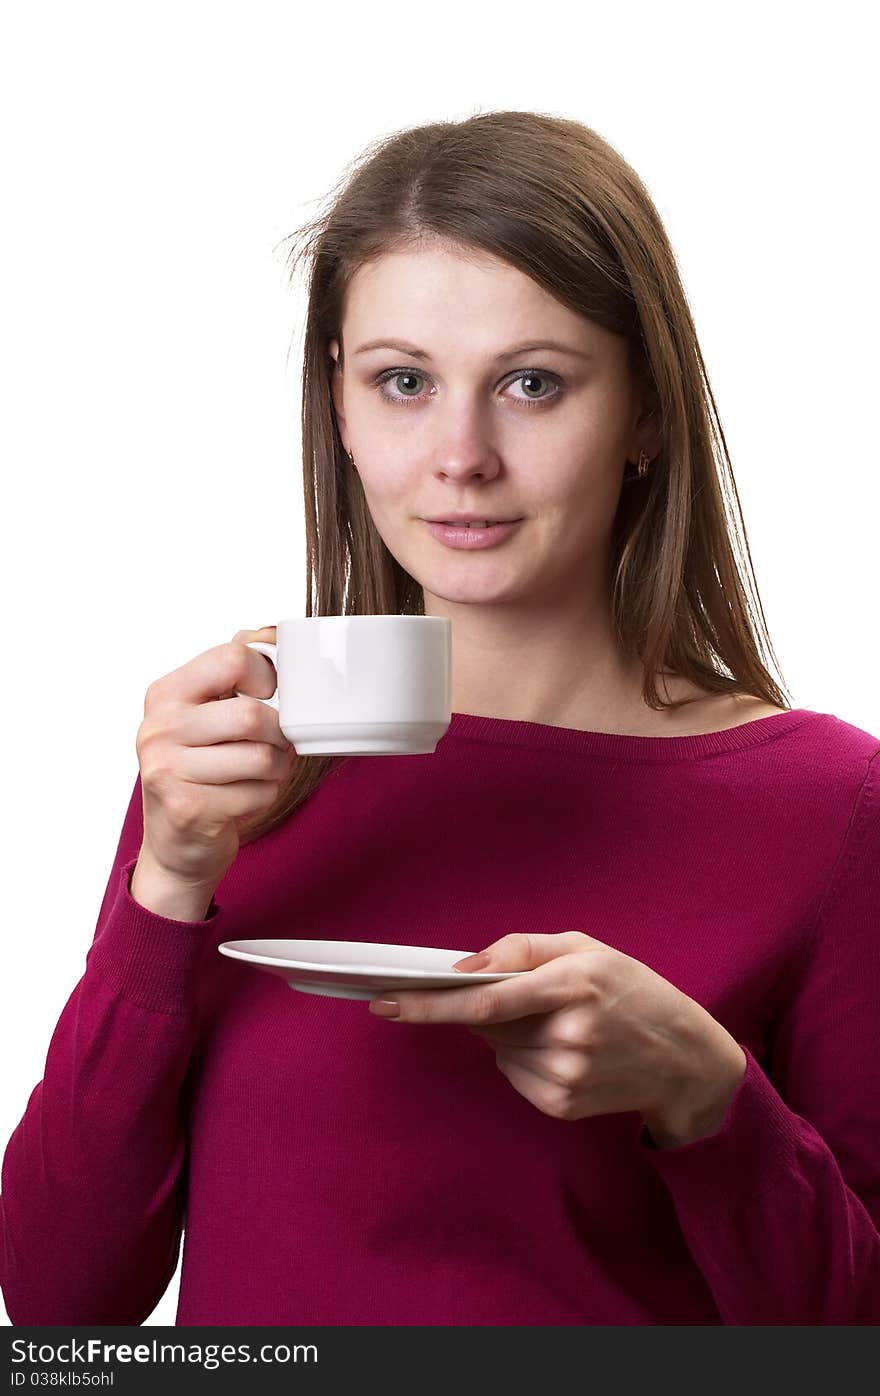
{"points": [[470, 591]]}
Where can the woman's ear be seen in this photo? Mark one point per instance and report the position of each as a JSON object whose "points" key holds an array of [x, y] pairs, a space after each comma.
{"points": [[336, 388], [648, 430], [650, 438]]}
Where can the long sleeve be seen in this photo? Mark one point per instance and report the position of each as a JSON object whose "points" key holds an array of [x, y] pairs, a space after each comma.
{"points": [[781, 1207], [91, 1208]]}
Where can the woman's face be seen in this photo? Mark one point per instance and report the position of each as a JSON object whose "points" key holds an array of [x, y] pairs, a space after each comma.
{"points": [[468, 427]]}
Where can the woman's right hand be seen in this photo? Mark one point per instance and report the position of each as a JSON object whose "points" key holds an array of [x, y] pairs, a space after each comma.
{"points": [[208, 759]]}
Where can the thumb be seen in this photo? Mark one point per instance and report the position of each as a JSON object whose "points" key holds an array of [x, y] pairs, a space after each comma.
{"points": [[524, 950]]}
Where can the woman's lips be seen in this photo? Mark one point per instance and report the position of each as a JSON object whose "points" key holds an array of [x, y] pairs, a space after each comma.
{"points": [[459, 536]]}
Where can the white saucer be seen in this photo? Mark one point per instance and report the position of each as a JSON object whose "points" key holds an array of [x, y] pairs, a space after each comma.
{"points": [[356, 969]]}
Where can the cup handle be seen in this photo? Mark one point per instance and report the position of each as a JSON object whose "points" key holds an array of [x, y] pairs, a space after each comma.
{"points": [[271, 652]]}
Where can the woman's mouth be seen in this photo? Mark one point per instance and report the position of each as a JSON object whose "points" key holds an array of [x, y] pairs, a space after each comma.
{"points": [[479, 533]]}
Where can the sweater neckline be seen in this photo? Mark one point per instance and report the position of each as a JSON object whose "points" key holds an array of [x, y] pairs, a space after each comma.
{"points": [[470, 727]]}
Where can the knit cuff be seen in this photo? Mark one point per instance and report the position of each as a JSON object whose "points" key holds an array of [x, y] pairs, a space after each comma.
{"points": [[149, 959], [756, 1144]]}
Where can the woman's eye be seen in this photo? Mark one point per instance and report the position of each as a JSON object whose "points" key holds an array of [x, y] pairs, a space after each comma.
{"points": [[402, 376], [407, 380]]}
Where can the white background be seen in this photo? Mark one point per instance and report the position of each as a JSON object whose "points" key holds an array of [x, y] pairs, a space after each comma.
{"points": [[155, 156]]}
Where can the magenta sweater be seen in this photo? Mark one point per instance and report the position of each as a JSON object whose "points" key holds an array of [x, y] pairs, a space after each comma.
{"points": [[326, 1167]]}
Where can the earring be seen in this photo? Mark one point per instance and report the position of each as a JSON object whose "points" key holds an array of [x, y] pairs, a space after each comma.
{"points": [[643, 467], [351, 457]]}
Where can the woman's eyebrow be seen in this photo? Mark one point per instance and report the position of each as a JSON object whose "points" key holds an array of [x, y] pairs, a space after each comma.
{"points": [[402, 347]]}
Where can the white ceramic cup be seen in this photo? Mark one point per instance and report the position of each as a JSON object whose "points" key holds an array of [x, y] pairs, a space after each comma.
{"points": [[362, 685]]}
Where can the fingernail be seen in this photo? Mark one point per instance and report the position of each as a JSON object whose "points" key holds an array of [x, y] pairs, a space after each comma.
{"points": [[386, 1008], [473, 962]]}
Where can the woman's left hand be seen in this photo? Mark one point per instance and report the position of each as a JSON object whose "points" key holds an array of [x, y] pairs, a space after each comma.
{"points": [[592, 1031]]}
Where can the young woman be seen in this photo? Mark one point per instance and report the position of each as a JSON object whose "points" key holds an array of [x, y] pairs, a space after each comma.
{"points": [[673, 1117]]}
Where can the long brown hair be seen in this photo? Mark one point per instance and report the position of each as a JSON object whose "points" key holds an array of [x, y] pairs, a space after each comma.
{"points": [[551, 197]]}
